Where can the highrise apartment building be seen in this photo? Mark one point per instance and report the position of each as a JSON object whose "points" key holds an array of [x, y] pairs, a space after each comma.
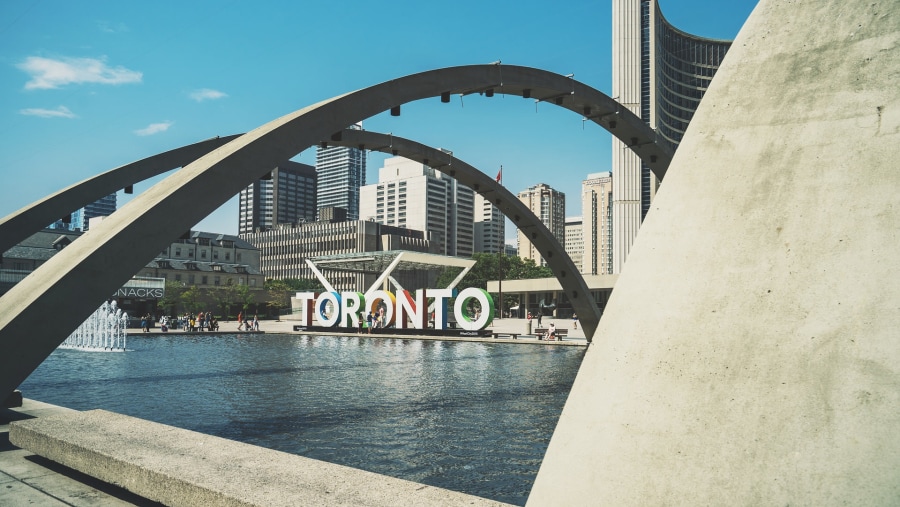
{"points": [[660, 74], [597, 224], [412, 195], [286, 196], [342, 171], [490, 226], [549, 205], [575, 241]]}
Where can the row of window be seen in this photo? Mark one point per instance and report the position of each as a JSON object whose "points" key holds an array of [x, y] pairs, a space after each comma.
{"points": [[203, 252], [204, 280]]}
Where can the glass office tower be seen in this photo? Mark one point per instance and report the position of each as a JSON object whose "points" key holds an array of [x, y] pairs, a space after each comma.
{"points": [[342, 171]]}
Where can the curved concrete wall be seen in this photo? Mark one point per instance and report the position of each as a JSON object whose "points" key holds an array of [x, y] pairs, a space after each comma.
{"points": [[70, 283], [764, 366]]}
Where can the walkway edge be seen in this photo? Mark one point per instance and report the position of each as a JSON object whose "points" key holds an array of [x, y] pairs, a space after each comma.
{"points": [[182, 467]]}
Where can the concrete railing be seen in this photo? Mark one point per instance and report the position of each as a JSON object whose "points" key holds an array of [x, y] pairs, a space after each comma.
{"points": [[182, 467]]}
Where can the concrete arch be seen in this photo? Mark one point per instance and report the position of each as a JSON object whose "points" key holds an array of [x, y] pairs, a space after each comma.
{"points": [[129, 238], [557, 259], [17, 226]]}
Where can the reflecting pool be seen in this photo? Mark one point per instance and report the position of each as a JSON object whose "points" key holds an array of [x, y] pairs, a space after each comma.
{"points": [[471, 417]]}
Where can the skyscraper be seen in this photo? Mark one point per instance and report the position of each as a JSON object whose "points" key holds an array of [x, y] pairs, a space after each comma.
{"points": [[342, 171], [287, 197], [660, 74], [596, 209], [575, 241], [80, 220], [490, 226], [412, 195], [549, 205]]}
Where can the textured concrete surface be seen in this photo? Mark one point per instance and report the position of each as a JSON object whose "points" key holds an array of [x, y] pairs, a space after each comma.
{"points": [[28, 479], [181, 467], [749, 354]]}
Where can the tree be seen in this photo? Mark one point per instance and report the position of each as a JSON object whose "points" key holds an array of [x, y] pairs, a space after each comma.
{"points": [[490, 266], [244, 296], [172, 297], [223, 297], [191, 299], [279, 294], [294, 284]]}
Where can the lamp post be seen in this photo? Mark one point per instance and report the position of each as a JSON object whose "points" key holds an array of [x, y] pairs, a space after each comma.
{"points": [[500, 277]]}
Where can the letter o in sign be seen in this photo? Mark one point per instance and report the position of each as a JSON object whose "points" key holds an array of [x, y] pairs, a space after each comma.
{"points": [[487, 309]]}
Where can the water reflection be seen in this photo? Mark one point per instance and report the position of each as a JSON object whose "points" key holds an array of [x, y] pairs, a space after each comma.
{"points": [[470, 417]]}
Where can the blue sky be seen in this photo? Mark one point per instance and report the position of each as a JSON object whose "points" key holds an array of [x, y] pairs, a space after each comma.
{"points": [[88, 86]]}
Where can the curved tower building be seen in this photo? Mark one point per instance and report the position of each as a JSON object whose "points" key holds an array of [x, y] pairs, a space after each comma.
{"points": [[660, 74]]}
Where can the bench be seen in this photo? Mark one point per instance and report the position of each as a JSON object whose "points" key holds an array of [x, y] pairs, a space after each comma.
{"points": [[175, 466], [514, 336], [541, 333]]}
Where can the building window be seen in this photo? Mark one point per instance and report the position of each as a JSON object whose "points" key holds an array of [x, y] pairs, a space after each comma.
{"points": [[177, 278], [178, 251], [190, 252], [227, 256], [202, 254], [203, 280], [215, 254]]}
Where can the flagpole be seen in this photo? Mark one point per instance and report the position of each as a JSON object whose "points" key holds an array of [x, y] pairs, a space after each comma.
{"points": [[502, 251]]}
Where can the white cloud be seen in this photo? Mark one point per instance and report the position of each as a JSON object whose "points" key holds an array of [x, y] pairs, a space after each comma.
{"points": [[111, 27], [47, 73], [207, 94], [154, 128], [59, 112]]}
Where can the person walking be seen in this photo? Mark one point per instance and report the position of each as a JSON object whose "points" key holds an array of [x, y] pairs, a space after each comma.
{"points": [[575, 320], [255, 323], [240, 321]]}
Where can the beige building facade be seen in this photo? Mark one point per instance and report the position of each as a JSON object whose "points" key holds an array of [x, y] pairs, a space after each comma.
{"points": [[597, 224], [574, 244], [412, 195], [549, 205]]}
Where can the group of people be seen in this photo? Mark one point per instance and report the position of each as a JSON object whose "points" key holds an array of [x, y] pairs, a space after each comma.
{"points": [[551, 329], [146, 321], [375, 320], [203, 321], [247, 325]]}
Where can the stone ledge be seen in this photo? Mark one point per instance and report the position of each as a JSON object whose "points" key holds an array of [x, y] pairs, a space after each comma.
{"points": [[182, 467]]}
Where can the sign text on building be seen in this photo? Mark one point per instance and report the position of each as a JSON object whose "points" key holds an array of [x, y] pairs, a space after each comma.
{"points": [[404, 310]]}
